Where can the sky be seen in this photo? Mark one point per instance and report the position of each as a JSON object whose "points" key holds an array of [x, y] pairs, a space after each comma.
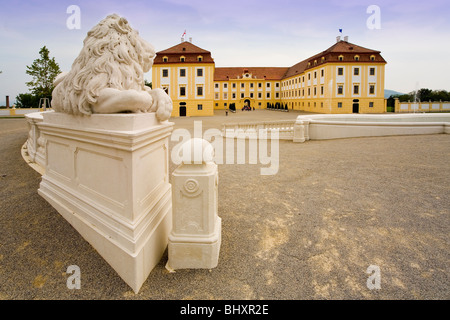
{"points": [[413, 36]]}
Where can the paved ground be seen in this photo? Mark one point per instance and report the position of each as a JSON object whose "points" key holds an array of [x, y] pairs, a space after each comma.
{"points": [[309, 232]]}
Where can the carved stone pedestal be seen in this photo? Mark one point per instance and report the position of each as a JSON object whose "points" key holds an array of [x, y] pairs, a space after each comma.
{"points": [[194, 242], [107, 175]]}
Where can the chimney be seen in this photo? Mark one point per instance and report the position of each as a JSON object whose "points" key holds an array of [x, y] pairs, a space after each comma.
{"points": [[182, 39], [346, 38], [338, 38], [7, 102], [190, 40]]}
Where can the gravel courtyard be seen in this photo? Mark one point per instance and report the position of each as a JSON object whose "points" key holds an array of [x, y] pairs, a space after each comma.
{"points": [[311, 231]]}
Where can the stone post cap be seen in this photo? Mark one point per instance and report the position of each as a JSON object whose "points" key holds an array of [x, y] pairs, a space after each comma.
{"points": [[197, 151]]}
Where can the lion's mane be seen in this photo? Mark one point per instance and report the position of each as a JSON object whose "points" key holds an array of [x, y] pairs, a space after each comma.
{"points": [[113, 56]]}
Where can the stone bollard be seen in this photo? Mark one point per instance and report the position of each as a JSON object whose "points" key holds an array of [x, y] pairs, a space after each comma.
{"points": [[194, 242], [299, 131]]}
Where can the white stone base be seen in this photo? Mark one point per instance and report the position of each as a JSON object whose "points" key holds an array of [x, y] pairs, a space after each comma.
{"points": [[194, 252], [107, 175]]}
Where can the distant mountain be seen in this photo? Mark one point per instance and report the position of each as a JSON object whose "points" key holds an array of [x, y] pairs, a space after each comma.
{"points": [[388, 93]]}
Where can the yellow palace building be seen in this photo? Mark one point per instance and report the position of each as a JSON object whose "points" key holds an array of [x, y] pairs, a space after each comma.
{"points": [[345, 78]]}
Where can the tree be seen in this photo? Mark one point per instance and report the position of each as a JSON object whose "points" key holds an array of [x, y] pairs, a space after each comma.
{"points": [[27, 100], [148, 84], [44, 71]]}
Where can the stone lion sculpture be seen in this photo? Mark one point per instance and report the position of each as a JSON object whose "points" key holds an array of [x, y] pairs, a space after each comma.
{"points": [[108, 74]]}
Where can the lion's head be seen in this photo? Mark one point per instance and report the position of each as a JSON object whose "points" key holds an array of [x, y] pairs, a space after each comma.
{"points": [[113, 56]]}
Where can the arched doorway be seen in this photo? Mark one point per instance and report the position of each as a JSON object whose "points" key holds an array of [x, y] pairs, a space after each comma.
{"points": [[356, 106], [182, 109], [247, 105]]}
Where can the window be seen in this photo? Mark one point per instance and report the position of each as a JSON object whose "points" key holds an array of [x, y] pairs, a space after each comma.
{"points": [[321, 90], [251, 95], [277, 95], [259, 85], [200, 91], [165, 59], [315, 74], [356, 89], [182, 72], [277, 85], [225, 85], [356, 71], [321, 104], [182, 59], [165, 73], [372, 71], [341, 58], [199, 58], [370, 104], [372, 58], [322, 73], [259, 95], [216, 96], [309, 91], [166, 89], [225, 96], [216, 85], [339, 104], [356, 58], [234, 96], [251, 85], [199, 107], [242, 95], [340, 89], [372, 89], [309, 76], [268, 95], [242, 85], [268, 85], [199, 72], [182, 91], [234, 85], [315, 90]]}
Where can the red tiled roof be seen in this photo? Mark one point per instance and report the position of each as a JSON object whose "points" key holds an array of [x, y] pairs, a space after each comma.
{"points": [[261, 73], [346, 49], [187, 49], [184, 47]]}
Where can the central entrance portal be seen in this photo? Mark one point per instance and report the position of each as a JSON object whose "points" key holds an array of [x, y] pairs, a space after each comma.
{"points": [[247, 105]]}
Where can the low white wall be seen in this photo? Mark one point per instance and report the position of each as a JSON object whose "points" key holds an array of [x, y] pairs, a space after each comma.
{"points": [[321, 127], [19, 111]]}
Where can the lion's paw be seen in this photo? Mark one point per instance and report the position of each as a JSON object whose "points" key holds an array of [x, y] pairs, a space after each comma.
{"points": [[162, 104]]}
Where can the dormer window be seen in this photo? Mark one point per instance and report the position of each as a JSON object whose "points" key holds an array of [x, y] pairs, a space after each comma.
{"points": [[165, 59], [182, 59], [199, 58], [341, 58], [322, 59], [372, 58], [356, 58]]}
